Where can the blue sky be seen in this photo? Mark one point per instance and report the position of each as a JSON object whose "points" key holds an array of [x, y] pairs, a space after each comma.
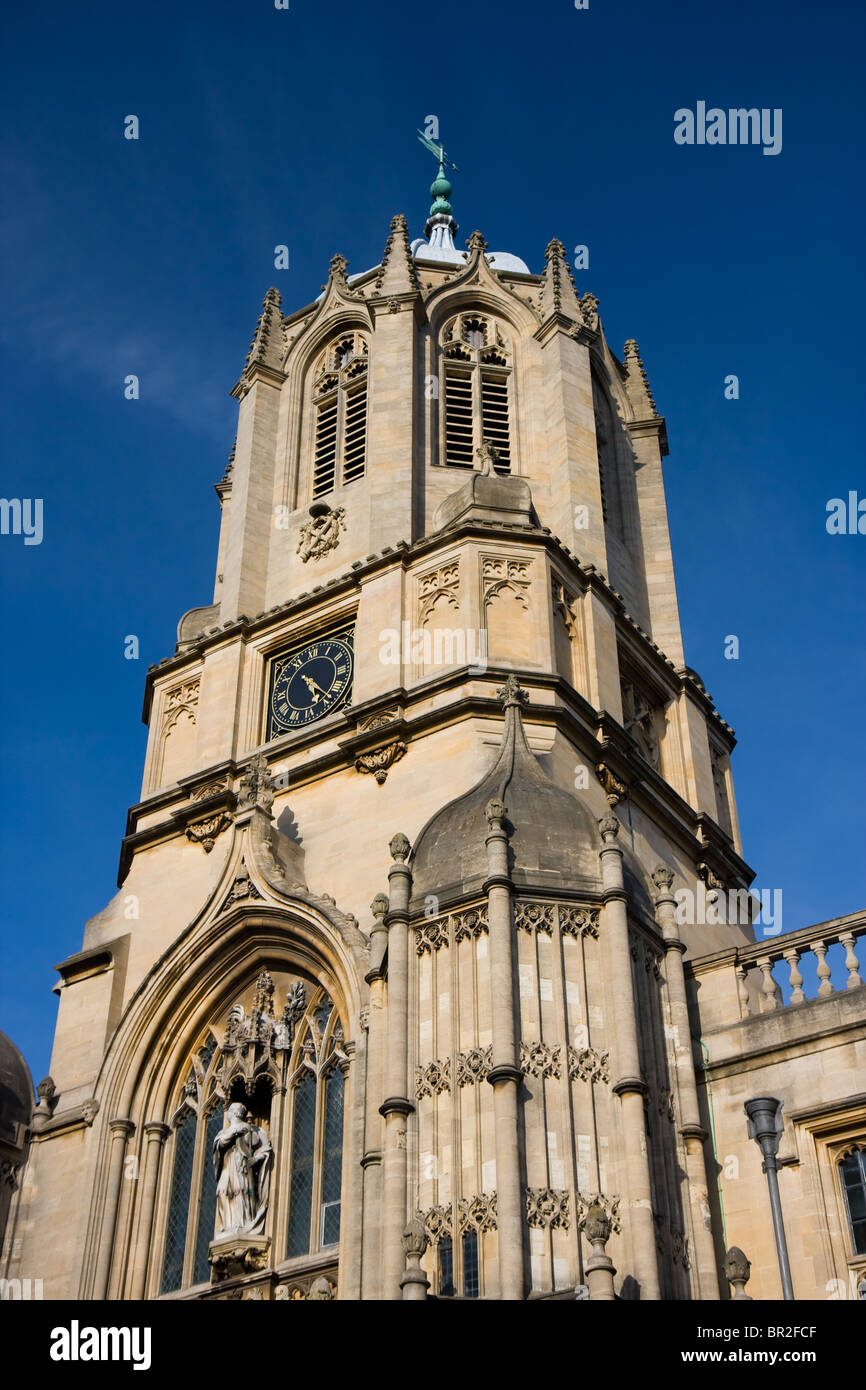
{"points": [[260, 126]]}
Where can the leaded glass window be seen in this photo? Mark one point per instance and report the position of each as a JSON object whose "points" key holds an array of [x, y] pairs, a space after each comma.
{"points": [[852, 1170], [178, 1202], [470, 1264], [282, 1058], [192, 1192], [207, 1202], [446, 1268], [303, 1162], [317, 1087], [456, 1271], [332, 1157]]}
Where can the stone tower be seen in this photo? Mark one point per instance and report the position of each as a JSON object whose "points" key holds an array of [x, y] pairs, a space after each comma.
{"points": [[396, 938]]}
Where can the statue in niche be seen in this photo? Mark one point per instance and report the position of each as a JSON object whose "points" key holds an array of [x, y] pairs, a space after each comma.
{"points": [[242, 1157]]}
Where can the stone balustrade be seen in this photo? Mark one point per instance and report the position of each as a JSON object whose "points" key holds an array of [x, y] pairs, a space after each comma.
{"points": [[795, 968]]}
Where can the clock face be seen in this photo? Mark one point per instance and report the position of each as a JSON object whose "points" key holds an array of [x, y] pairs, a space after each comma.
{"points": [[309, 683]]}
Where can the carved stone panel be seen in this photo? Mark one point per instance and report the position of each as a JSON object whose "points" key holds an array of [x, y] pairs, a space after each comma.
{"points": [[439, 588], [433, 1078], [537, 1059], [547, 1208], [474, 1065]]}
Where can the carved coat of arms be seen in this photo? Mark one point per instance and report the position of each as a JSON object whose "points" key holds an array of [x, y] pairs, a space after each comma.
{"points": [[322, 532]]}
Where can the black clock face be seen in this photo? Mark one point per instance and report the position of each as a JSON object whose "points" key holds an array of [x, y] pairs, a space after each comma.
{"points": [[310, 683]]}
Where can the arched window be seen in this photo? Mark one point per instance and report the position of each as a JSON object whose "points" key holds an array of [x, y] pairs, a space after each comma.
{"points": [[286, 1068], [476, 372], [190, 1223], [612, 505], [340, 403], [317, 1132], [852, 1171], [446, 1278]]}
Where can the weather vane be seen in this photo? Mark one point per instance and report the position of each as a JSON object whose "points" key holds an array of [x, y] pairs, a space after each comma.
{"points": [[438, 151]]}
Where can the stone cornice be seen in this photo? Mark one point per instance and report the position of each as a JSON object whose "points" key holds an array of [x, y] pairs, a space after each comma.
{"points": [[86, 963], [655, 425], [695, 688], [599, 739], [257, 371], [557, 322], [405, 555], [804, 1023]]}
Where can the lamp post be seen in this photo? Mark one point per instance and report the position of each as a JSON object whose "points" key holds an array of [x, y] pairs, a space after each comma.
{"points": [[765, 1127]]}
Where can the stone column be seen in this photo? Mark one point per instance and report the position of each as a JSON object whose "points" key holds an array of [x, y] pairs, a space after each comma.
{"points": [[120, 1131], [628, 1083], [692, 1132], [397, 1106], [505, 1075], [155, 1134], [371, 1162]]}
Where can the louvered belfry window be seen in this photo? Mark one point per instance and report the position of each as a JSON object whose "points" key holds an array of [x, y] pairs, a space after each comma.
{"points": [[476, 391], [340, 395]]}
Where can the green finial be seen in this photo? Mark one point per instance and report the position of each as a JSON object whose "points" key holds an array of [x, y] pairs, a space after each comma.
{"points": [[440, 192], [440, 188]]}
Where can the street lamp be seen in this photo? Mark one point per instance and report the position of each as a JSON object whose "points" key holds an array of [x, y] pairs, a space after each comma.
{"points": [[765, 1127]]}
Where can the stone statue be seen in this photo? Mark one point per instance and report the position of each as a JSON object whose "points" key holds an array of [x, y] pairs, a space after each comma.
{"points": [[242, 1157]]}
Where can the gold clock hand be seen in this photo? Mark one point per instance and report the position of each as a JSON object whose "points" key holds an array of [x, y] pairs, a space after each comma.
{"points": [[314, 688]]}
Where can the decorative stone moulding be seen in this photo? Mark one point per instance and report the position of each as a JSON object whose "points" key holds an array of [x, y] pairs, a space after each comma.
{"points": [[242, 889], [609, 1205], [379, 761], [477, 1213], [205, 832], [474, 1065], [433, 933], [538, 1059], [317, 1290], [208, 789], [547, 1208], [232, 1255], [434, 1078], [441, 583], [182, 699], [574, 919]]}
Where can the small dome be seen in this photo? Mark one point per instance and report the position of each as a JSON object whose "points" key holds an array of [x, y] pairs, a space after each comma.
{"points": [[553, 839], [439, 249], [16, 1092], [504, 260], [442, 248]]}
